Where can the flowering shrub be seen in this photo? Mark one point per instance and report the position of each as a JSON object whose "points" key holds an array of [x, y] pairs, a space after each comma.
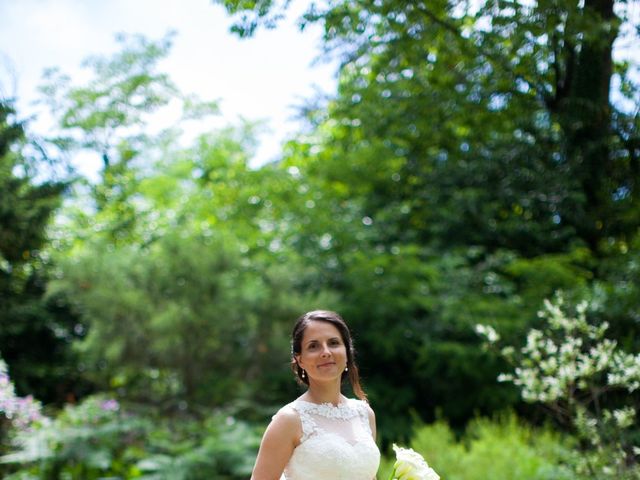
{"points": [[101, 438], [98, 438], [21, 412], [87, 440], [587, 381]]}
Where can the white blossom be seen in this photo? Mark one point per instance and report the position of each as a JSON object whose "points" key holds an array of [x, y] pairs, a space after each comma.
{"points": [[568, 361], [625, 371], [488, 332], [624, 417]]}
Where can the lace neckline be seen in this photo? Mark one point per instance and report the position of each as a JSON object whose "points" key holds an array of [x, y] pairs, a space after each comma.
{"points": [[344, 410]]}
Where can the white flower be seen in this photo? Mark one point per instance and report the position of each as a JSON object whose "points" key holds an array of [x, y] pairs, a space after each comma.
{"points": [[410, 465], [488, 332], [625, 417]]}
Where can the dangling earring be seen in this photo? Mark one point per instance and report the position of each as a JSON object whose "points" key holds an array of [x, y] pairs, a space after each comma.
{"points": [[303, 374], [346, 369]]}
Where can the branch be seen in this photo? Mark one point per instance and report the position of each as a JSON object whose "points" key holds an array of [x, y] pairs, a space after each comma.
{"points": [[497, 60]]}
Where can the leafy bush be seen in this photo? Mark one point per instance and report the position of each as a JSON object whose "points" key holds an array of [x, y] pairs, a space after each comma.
{"points": [[86, 441], [99, 438], [502, 449], [589, 384]]}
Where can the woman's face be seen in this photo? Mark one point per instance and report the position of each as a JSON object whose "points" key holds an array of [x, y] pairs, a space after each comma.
{"points": [[323, 352]]}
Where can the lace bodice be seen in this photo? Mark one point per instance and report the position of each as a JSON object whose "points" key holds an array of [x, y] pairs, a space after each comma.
{"points": [[336, 443]]}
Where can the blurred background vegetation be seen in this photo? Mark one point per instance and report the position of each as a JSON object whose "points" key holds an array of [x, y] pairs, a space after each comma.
{"points": [[476, 159]]}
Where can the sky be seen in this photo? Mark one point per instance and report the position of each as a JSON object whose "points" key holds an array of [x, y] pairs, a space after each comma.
{"points": [[261, 78]]}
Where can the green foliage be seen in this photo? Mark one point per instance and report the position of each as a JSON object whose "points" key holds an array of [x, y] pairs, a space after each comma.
{"points": [[253, 13], [527, 153], [588, 383], [83, 442], [173, 258], [102, 438], [29, 322], [472, 163], [227, 450], [167, 328], [124, 89], [502, 449]]}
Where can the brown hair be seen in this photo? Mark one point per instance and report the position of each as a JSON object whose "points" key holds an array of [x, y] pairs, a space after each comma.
{"points": [[336, 320]]}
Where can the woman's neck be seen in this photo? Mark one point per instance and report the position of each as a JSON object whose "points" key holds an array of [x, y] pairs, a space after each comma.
{"points": [[323, 393]]}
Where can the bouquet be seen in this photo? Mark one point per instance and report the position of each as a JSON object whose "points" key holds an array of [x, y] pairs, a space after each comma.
{"points": [[410, 465]]}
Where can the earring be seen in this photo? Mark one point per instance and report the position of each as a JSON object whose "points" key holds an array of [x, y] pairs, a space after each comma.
{"points": [[303, 374], [346, 369]]}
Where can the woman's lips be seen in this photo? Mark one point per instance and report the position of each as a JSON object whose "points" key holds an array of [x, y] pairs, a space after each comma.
{"points": [[328, 364]]}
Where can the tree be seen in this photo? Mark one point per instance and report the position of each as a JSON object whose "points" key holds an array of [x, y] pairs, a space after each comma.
{"points": [[521, 96], [172, 258], [485, 145], [35, 332]]}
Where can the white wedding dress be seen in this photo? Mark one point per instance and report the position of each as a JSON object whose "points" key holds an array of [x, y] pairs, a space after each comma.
{"points": [[336, 443]]}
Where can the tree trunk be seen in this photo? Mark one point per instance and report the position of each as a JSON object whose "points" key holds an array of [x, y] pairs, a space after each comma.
{"points": [[586, 118]]}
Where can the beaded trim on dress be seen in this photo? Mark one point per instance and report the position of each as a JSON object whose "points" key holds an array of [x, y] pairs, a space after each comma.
{"points": [[343, 411]]}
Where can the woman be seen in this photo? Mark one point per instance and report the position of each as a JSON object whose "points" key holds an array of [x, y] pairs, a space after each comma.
{"points": [[322, 434]]}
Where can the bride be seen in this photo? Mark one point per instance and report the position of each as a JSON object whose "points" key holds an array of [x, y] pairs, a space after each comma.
{"points": [[322, 434]]}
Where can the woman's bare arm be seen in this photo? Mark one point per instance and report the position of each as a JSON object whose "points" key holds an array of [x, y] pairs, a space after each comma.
{"points": [[280, 438]]}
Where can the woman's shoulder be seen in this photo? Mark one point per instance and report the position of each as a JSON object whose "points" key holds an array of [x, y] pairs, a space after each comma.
{"points": [[286, 424], [287, 414]]}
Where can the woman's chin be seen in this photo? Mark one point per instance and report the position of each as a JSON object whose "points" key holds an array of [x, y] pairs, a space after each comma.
{"points": [[327, 376]]}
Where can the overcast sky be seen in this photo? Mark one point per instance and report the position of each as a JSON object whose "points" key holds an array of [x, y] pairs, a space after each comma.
{"points": [[263, 77]]}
